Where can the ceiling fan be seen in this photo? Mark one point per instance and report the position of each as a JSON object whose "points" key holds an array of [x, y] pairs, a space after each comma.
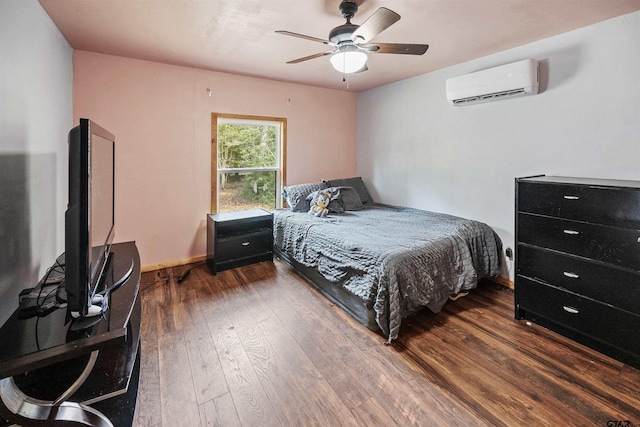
{"points": [[351, 41]]}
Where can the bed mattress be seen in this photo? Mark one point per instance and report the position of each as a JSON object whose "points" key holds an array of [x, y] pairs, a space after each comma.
{"points": [[396, 260]]}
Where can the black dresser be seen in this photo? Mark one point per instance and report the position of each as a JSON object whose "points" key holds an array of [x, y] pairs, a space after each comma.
{"points": [[578, 260]]}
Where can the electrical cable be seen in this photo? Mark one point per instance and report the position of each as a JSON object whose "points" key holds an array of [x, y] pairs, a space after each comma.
{"points": [[43, 282], [180, 277], [36, 333], [53, 291], [165, 279]]}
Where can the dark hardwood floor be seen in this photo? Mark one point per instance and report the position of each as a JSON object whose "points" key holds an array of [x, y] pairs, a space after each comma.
{"points": [[258, 346]]}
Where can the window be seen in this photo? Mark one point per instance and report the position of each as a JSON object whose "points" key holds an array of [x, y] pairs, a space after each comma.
{"points": [[247, 162]]}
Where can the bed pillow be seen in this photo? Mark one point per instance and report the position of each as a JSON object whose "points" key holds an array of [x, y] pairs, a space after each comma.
{"points": [[348, 197], [296, 195], [357, 184]]}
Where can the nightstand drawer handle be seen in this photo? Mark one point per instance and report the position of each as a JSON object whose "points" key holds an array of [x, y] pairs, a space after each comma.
{"points": [[246, 243], [572, 232], [571, 275], [570, 309], [571, 197]]}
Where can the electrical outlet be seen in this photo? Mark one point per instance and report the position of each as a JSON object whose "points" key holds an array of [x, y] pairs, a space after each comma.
{"points": [[509, 253]]}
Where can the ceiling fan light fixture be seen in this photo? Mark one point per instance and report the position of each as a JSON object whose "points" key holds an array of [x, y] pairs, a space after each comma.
{"points": [[348, 61]]}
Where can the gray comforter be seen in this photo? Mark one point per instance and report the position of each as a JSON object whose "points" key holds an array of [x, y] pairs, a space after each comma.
{"points": [[396, 259]]}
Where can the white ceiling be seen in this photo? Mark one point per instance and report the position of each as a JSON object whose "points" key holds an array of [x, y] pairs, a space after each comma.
{"points": [[238, 36]]}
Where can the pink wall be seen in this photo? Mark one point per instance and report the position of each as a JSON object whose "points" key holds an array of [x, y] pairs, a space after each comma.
{"points": [[161, 117]]}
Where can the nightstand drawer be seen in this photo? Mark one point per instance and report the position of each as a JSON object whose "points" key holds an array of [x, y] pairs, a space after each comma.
{"points": [[244, 246], [593, 319], [619, 207], [611, 285], [618, 246]]}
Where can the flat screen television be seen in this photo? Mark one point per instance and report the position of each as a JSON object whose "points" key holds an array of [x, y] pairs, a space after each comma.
{"points": [[89, 219]]}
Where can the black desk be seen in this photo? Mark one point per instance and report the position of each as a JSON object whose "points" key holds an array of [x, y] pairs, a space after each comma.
{"points": [[68, 371]]}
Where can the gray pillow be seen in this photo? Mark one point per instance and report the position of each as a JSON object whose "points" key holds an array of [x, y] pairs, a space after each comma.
{"points": [[356, 183], [348, 197], [296, 195]]}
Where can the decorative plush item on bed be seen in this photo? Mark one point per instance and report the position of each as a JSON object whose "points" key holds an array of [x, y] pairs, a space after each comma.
{"points": [[382, 263], [320, 202], [340, 199]]}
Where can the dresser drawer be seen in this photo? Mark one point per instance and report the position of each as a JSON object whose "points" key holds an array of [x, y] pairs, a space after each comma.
{"points": [[248, 245], [593, 319], [611, 285], [618, 207], [618, 246]]}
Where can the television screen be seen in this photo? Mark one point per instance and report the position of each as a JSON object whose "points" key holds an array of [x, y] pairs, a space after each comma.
{"points": [[89, 220], [101, 196]]}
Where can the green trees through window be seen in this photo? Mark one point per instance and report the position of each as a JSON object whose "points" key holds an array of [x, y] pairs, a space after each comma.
{"points": [[249, 163]]}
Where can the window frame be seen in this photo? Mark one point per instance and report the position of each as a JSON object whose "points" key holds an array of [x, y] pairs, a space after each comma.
{"points": [[221, 118]]}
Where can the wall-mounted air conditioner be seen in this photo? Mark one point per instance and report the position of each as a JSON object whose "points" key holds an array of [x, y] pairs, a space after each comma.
{"points": [[506, 81]]}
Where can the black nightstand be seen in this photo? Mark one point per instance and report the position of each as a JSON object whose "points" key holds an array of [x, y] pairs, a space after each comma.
{"points": [[239, 238]]}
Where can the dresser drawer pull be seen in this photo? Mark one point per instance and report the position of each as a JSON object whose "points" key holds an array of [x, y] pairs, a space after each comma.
{"points": [[246, 243], [571, 197], [570, 309], [571, 275], [572, 232]]}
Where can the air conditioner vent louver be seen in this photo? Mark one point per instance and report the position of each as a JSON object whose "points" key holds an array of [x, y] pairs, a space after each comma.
{"points": [[490, 96], [507, 81]]}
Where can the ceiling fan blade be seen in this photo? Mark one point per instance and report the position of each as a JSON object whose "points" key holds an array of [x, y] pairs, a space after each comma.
{"points": [[401, 48], [302, 36], [306, 58], [381, 19]]}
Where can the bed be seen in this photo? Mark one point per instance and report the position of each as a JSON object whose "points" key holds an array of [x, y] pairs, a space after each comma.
{"points": [[378, 262]]}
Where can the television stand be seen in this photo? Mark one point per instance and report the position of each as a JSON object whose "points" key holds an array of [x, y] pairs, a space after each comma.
{"points": [[84, 378]]}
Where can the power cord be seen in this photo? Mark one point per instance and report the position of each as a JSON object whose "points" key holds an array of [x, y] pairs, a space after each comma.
{"points": [[179, 278], [43, 282], [44, 304]]}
